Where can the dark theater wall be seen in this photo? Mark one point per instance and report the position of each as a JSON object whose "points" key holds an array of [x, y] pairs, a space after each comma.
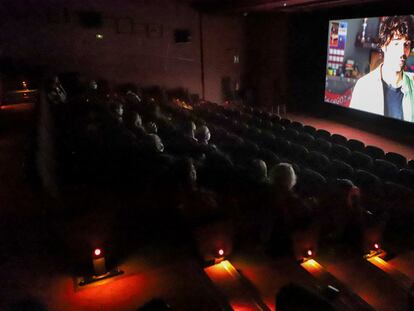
{"points": [[138, 42]]}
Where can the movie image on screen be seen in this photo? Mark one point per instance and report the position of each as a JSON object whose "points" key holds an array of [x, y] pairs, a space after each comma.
{"points": [[370, 65]]}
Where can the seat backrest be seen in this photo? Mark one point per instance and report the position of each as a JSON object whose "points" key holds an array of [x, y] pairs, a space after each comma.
{"points": [[361, 160], [375, 152], [385, 169], [309, 129], [340, 169], [339, 139], [340, 152], [396, 158], [296, 125], [406, 177], [355, 145], [318, 162], [322, 145], [323, 134]]}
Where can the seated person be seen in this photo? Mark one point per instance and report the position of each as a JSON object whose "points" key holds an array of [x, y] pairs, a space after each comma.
{"points": [[133, 122], [203, 136], [342, 215], [286, 213], [151, 128]]}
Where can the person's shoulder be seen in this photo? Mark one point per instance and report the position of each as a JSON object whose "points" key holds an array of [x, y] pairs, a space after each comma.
{"points": [[369, 77], [410, 76]]}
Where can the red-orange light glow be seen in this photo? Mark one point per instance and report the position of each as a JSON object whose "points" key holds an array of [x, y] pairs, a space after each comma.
{"points": [[97, 252], [376, 246], [310, 252], [313, 267], [221, 252]]}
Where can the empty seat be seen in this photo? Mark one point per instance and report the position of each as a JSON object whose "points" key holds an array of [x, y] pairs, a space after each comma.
{"points": [[278, 129], [406, 177], [371, 190], [323, 134], [266, 140], [355, 145], [280, 146], [339, 139], [305, 139], [311, 183], [385, 169], [340, 152], [375, 152], [318, 162], [285, 122], [309, 129], [298, 153], [269, 157], [396, 158], [361, 160], [291, 134], [296, 125], [275, 118], [397, 193], [322, 145], [398, 200], [340, 169]]}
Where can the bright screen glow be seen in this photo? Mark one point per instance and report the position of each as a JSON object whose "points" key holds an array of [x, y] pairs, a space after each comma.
{"points": [[370, 65]]}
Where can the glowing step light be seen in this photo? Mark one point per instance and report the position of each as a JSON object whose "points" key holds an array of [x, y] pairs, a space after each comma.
{"points": [[99, 269]]}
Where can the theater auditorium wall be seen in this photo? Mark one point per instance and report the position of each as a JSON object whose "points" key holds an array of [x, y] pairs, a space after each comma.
{"points": [[138, 42]]}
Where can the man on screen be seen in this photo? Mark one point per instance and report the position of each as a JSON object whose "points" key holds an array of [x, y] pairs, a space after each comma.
{"points": [[389, 90]]}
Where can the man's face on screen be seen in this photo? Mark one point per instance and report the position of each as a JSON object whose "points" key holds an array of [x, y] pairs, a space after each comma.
{"points": [[396, 53]]}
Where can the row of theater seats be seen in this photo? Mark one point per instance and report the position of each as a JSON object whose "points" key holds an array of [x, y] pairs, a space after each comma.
{"points": [[386, 180]]}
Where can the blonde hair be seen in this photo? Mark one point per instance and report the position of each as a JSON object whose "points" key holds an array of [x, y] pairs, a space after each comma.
{"points": [[283, 175]]}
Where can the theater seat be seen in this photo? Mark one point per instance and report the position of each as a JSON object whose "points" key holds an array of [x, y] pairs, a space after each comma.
{"points": [[309, 129], [355, 145], [277, 129], [410, 164], [296, 126], [340, 152], [293, 297], [385, 169], [291, 134], [323, 134], [305, 139], [298, 153], [318, 162], [396, 158], [285, 122], [371, 190], [322, 145], [339, 139], [375, 152], [361, 160], [269, 157], [340, 169], [280, 146], [406, 177], [311, 183]]}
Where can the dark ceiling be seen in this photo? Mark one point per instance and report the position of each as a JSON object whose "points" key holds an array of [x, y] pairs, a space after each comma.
{"points": [[273, 5]]}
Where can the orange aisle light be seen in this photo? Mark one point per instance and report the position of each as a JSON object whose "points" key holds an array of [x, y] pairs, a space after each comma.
{"points": [[100, 272], [98, 260], [219, 257]]}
